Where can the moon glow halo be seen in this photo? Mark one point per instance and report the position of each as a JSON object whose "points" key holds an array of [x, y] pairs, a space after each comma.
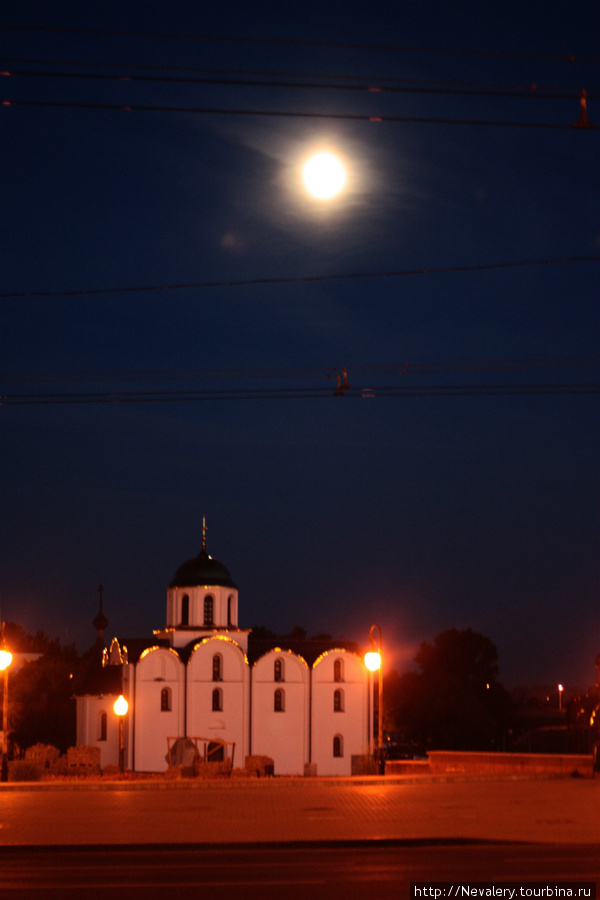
{"points": [[324, 175]]}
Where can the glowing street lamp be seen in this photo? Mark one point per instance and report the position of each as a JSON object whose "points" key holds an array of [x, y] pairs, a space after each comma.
{"points": [[561, 688], [373, 662], [121, 707], [5, 661]]}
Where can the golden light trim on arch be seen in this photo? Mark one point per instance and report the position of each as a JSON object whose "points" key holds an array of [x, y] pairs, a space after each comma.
{"points": [[280, 650], [325, 653], [217, 637], [156, 647]]}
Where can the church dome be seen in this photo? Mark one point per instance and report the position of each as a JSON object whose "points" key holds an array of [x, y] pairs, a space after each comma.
{"points": [[202, 569]]}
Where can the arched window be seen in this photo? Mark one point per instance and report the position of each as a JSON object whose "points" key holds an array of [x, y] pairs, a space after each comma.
{"points": [[338, 701], [338, 670], [217, 700], [185, 610], [209, 612], [217, 667], [338, 745], [279, 701], [278, 670], [102, 726], [230, 611], [165, 700]]}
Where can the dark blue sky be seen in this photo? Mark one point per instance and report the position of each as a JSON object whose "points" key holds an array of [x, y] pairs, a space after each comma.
{"points": [[406, 502]]}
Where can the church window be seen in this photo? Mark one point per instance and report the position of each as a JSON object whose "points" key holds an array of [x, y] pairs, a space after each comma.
{"points": [[338, 701], [217, 700], [209, 604], [279, 701], [165, 700], [102, 726], [338, 670], [229, 612], [278, 670], [185, 610], [217, 667], [338, 745]]}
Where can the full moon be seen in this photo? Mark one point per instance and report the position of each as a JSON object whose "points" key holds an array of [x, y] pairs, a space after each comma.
{"points": [[324, 176]]}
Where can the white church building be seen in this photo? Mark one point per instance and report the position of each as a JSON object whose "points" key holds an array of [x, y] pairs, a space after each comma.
{"points": [[304, 704]]}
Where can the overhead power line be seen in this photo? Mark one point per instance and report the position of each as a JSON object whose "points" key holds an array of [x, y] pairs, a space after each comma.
{"points": [[375, 86], [300, 383], [305, 393], [300, 279], [365, 80], [287, 373], [582, 123], [297, 42]]}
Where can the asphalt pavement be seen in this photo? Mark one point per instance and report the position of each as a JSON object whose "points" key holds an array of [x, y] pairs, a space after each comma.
{"points": [[296, 810]]}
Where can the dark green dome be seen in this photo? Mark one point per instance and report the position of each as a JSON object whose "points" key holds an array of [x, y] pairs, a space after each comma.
{"points": [[202, 569]]}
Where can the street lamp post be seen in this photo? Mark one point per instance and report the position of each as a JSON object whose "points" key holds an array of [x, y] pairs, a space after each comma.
{"points": [[120, 707], [373, 662], [5, 661], [561, 688]]}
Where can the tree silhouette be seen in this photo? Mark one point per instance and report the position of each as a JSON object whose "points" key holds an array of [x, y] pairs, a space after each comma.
{"points": [[454, 701], [41, 701]]}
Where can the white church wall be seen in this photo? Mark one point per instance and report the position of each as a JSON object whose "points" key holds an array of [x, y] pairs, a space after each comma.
{"points": [[218, 700], [281, 733], [98, 726], [339, 723], [158, 707]]}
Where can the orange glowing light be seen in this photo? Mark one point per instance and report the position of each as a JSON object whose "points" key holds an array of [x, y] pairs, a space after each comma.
{"points": [[121, 706], [373, 660]]}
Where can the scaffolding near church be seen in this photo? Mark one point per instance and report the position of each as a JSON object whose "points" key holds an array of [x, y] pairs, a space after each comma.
{"points": [[191, 752]]}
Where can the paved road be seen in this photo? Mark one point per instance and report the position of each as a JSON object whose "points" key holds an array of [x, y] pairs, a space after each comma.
{"points": [[293, 810], [321, 872]]}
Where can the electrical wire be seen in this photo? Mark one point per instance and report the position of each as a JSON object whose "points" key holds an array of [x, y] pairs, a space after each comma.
{"points": [[289, 114], [522, 89], [369, 87], [363, 392], [309, 372], [364, 383], [299, 279], [297, 42]]}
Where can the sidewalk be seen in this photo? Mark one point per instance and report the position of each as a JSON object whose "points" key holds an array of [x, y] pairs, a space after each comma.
{"points": [[304, 809]]}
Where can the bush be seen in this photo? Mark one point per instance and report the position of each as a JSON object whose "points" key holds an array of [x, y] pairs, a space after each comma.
{"points": [[23, 770], [44, 755]]}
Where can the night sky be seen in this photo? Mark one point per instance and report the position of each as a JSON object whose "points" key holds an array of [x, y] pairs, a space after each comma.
{"points": [[176, 313]]}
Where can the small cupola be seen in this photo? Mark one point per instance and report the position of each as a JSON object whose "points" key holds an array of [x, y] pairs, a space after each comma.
{"points": [[202, 594]]}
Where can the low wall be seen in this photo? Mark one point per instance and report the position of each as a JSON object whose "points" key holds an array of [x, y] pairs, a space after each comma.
{"points": [[446, 762], [407, 767]]}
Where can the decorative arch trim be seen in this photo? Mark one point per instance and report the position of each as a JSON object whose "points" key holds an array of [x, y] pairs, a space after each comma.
{"points": [[334, 650], [156, 647], [217, 637], [280, 650]]}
